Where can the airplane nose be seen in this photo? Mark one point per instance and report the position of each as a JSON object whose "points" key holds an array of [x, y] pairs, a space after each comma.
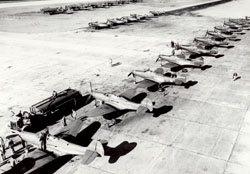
{"points": [[96, 94], [99, 96]]}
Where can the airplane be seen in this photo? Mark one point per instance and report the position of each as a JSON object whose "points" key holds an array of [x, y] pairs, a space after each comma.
{"points": [[209, 42], [237, 26], [98, 25], [196, 50], [116, 22], [67, 141], [129, 19], [221, 37], [228, 30], [121, 104], [56, 10], [178, 61], [141, 17], [157, 13], [152, 78]]}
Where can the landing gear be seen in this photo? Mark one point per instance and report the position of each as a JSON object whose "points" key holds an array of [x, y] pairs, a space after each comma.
{"points": [[160, 88], [184, 70]]}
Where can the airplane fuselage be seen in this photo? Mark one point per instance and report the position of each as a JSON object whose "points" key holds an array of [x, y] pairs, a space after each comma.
{"points": [[115, 101], [54, 144], [211, 42], [149, 75], [197, 50], [180, 61], [220, 35]]}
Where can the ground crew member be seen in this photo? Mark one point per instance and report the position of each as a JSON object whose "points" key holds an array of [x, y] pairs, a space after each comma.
{"points": [[12, 161], [73, 114], [54, 94], [26, 152], [11, 145], [2, 149], [43, 139], [2, 154]]}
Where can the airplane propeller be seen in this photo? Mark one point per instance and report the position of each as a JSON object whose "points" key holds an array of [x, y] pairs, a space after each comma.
{"points": [[206, 33], [158, 58], [131, 73], [91, 90]]}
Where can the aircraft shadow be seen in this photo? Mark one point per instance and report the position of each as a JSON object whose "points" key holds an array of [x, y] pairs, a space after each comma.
{"points": [[189, 84], [22, 167], [85, 136], [39, 122], [121, 150], [54, 165], [194, 56], [161, 110], [115, 115], [179, 68]]}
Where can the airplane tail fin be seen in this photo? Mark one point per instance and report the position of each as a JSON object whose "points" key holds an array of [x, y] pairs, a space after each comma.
{"points": [[145, 105], [181, 79], [199, 61], [94, 150], [131, 73]]}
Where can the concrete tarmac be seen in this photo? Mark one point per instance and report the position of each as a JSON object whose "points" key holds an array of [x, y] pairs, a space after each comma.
{"points": [[206, 131]]}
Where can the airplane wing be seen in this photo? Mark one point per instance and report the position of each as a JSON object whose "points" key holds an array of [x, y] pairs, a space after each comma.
{"points": [[131, 94], [71, 129], [145, 84], [128, 94], [170, 65], [100, 111]]}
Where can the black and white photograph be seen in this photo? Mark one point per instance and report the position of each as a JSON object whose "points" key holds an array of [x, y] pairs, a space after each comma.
{"points": [[124, 86]]}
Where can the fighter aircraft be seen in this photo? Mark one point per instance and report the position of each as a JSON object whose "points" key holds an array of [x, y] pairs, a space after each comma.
{"points": [[129, 19], [98, 25], [66, 142], [56, 10], [221, 37], [120, 104], [228, 30], [240, 21], [209, 42], [157, 13], [193, 49], [233, 25], [178, 61], [116, 22], [152, 78], [141, 17]]}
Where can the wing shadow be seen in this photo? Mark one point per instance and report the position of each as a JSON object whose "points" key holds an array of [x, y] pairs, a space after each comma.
{"points": [[53, 166]]}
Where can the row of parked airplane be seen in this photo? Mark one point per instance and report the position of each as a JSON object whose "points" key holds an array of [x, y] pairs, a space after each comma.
{"points": [[70, 9], [106, 104]]}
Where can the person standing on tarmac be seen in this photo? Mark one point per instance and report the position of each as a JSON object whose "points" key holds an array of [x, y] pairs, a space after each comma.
{"points": [[43, 139], [11, 145], [2, 149]]}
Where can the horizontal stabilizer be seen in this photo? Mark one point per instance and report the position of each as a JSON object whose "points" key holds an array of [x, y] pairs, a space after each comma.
{"points": [[88, 157], [170, 65], [96, 146], [141, 110]]}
